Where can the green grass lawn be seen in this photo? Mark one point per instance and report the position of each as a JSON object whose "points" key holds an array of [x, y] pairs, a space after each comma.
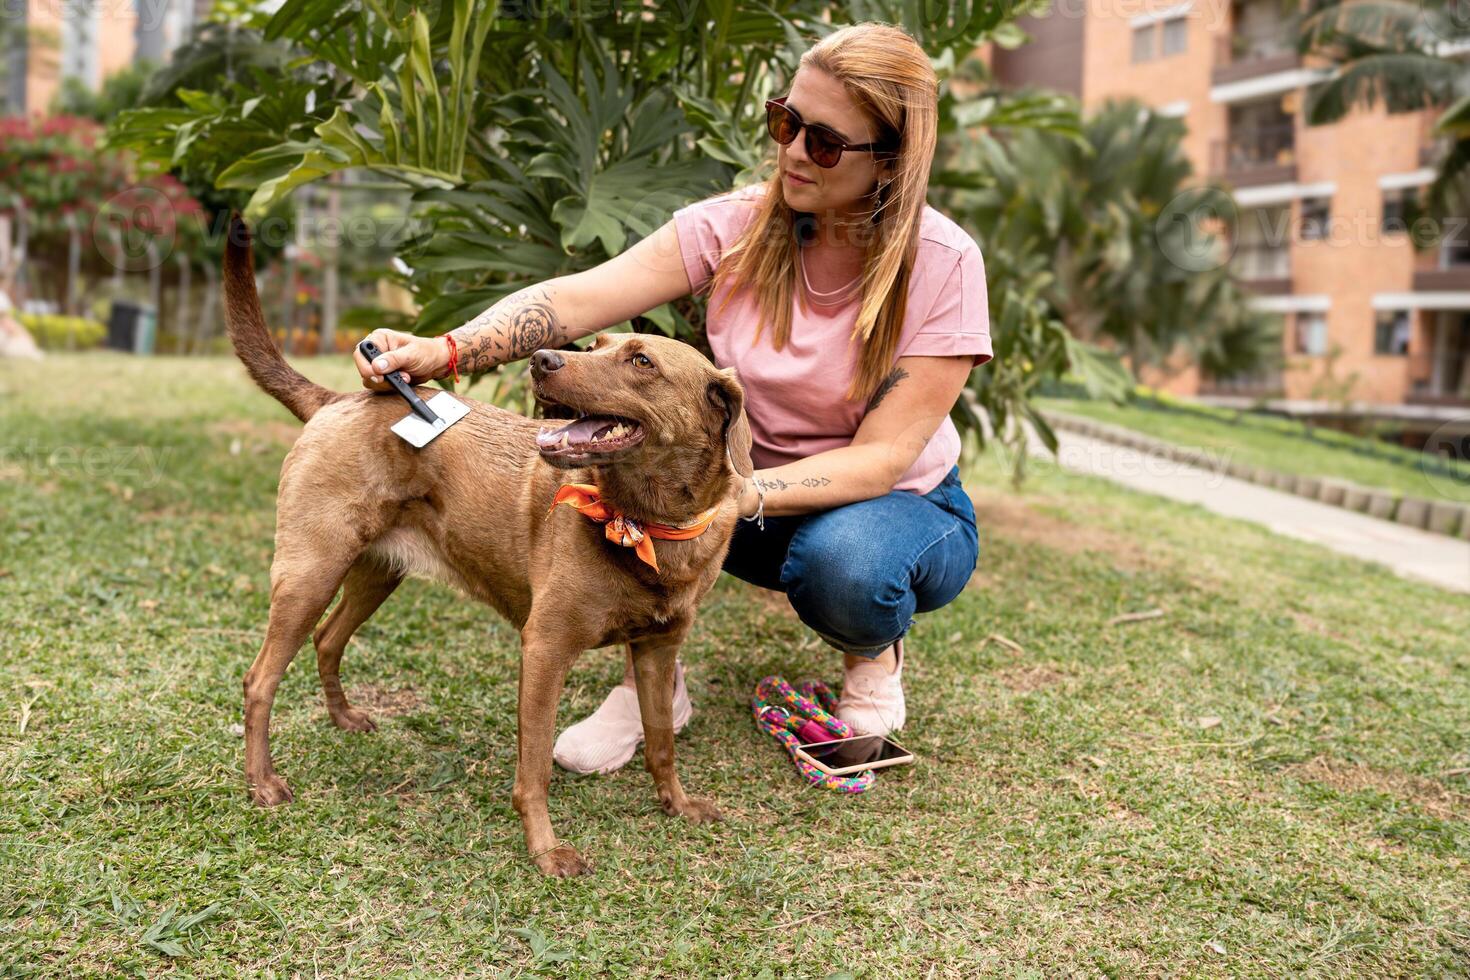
{"points": [[1267, 780], [1259, 443]]}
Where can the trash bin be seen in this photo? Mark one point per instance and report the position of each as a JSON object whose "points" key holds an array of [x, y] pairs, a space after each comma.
{"points": [[131, 327], [147, 330]]}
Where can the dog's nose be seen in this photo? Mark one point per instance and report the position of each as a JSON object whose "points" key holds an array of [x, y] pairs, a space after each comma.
{"points": [[546, 361]]}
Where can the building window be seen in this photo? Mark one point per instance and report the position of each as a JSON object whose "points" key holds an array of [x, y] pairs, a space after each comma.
{"points": [[1174, 36], [1160, 40], [1391, 332], [1143, 43], [1260, 29], [1311, 334], [1262, 240], [1398, 209], [1258, 135], [1454, 249], [1316, 214]]}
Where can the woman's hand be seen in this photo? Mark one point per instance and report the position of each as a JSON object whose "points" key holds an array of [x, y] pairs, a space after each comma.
{"points": [[421, 358]]}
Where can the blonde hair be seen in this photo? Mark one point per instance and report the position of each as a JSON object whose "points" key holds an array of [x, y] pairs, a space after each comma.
{"points": [[889, 77]]}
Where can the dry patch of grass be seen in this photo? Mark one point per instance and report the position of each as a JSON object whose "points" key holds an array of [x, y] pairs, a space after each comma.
{"points": [[1024, 680], [1312, 624], [768, 601], [1127, 816], [1428, 795], [384, 702], [1015, 520]]}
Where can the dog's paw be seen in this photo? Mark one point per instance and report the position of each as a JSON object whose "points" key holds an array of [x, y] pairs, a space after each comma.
{"points": [[270, 790], [563, 862], [694, 809], [353, 720]]}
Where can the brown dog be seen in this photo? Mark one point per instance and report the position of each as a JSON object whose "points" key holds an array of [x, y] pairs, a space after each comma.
{"points": [[359, 508]]}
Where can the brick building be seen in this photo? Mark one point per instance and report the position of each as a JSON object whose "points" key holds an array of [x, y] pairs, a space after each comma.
{"points": [[1321, 241]]}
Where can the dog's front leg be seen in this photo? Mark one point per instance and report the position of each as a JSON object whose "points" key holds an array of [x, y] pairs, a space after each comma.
{"points": [[653, 666], [545, 659]]}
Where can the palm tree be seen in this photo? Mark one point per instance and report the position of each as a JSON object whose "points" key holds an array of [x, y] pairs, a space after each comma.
{"points": [[1126, 238], [1408, 56]]}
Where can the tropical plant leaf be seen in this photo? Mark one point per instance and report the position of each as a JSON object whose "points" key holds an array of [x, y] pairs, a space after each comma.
{"points": [[538, 146], [1402, 81], [1099, 371]]}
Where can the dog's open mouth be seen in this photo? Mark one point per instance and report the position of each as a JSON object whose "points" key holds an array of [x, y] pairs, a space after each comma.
{"points": [[591, 438]]}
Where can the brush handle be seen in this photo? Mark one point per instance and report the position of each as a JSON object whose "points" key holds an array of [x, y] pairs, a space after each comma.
{"points": [[370, 351]]}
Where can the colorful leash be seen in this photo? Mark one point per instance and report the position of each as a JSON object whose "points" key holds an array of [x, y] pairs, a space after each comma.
{"points": [[781, 711]]}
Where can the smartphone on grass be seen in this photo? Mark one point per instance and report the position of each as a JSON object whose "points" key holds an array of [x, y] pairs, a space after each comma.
{"points": [[845, 756]]}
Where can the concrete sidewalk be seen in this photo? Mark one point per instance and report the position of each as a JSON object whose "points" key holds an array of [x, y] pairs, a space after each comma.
{"points": [[1412, 553]]}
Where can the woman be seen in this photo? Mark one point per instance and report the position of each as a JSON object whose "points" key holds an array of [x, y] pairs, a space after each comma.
{"points": [[853, 314]]}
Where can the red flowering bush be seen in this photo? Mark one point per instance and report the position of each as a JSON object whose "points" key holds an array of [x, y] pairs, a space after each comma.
{"points": [[52, 170]]}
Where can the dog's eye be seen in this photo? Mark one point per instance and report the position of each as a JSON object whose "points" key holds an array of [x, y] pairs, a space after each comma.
{"points": [[641, 360]]}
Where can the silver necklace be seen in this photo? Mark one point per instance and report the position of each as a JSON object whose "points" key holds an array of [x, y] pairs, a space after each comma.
{"points": [[830, 296]]}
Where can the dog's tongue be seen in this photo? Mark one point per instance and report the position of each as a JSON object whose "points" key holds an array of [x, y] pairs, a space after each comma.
{"points": [[580, 431]]}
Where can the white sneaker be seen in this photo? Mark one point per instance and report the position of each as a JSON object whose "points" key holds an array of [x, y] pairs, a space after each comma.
{"points": [[872, 697], [605, 740]]}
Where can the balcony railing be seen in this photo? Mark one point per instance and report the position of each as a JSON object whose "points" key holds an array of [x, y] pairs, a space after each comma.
{"points": [[1256, 155], [1455, 277], [1265, 269], [1439, 379], [1242, 56]]}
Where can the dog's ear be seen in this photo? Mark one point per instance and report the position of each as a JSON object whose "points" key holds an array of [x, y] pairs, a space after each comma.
{"points": [[727, 397]]}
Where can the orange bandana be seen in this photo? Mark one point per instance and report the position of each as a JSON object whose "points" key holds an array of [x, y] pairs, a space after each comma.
{"points": [[626, 531]]}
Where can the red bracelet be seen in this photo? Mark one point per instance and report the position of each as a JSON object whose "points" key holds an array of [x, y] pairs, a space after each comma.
{"points": [[453, 356]]}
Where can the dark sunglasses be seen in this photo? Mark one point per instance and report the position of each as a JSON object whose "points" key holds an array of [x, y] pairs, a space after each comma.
{"points": [[822, 144]]}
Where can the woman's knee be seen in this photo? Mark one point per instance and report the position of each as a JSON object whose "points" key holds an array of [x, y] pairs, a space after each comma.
{"points": [[846, 590], [945, 568], [852, 621]]}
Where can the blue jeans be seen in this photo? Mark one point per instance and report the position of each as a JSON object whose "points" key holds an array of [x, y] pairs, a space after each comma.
{"points": [[856, 574]]}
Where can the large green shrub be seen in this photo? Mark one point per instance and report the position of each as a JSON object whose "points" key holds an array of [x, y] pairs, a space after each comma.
{"points": [[53, 331], [1123, 228], [540, 139]]}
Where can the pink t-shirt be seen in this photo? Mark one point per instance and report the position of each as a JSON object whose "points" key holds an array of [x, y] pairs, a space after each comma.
{"points": [[795, 397]]}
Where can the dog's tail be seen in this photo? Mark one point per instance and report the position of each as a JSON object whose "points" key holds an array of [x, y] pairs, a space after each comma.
{"points": [[253, 343]]}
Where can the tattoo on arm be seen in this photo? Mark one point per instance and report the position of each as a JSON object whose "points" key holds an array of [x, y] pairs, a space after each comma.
{"points": [[774, 483], [518, 325], [885, 386]]}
